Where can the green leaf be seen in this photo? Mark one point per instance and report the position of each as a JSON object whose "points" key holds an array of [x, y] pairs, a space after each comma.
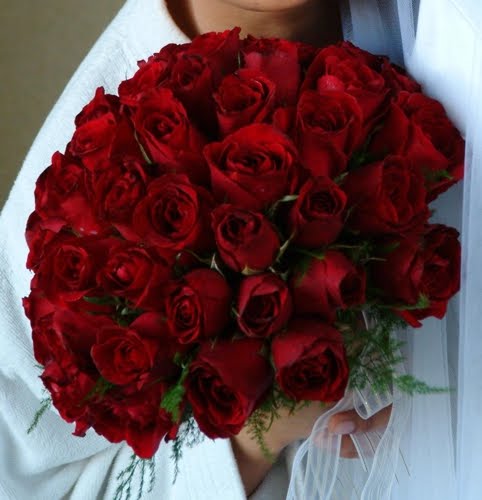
{"points": [[143, 151], [102, 301], [422, 303], [249, 272], [286, 199], [284, 247], [174, 396], [301, 269]]}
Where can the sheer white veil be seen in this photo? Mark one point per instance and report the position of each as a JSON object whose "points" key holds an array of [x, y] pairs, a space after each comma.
{"points": [[438, 451]]}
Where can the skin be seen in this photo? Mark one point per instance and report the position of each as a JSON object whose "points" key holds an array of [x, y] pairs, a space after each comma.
{"points": [[316, 22], [253, 465], [312, 21]]}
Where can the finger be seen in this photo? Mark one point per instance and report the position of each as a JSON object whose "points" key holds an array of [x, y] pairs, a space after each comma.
{"points": [[349, 422], [347, 449]]}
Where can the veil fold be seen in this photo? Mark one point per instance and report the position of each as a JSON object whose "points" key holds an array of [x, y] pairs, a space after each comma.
{"points": [[438, 452]]}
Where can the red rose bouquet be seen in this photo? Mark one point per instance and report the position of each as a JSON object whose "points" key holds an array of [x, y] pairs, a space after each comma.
{"points": [[206, 244]]}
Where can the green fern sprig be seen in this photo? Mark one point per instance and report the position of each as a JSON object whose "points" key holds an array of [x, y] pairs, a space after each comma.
{"points": [[376, 364], [126, 478], [45, 404], [188, 435]]}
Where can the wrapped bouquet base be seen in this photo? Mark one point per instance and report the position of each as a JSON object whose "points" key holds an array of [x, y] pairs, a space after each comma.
{"points": [[204, 247]]}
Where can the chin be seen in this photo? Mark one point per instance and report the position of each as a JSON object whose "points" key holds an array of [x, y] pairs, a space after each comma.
{"points": [[267, 5]]}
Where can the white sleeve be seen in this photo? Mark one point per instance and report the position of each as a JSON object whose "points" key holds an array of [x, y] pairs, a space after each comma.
{"points": [[50, 462]]}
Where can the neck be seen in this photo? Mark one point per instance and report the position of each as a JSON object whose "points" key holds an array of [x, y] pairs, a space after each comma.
{"points": [[316, 21]]}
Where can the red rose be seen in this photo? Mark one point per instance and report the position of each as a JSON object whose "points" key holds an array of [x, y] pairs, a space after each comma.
{"points": [[264, 305], [227, 381], [245, 239], [134, 415], [317, 216], [244, 97], [310, 361], [326, 284], [401, 136], [400, 272], [253, 167], [69, 388], [101, 130], [63, 192], [174, 214], [335, 68], [127, 355], [220, 49], [387, 197], [148, 423], [199, 306], [397, 78], [76, 333], [151, 74], [430, 115], [61, 333], [137, 273], [278, 60], [118, 189], [329, 129], [168, 135], [38, 234], [440, 279], [68, 269], [198, 70]]}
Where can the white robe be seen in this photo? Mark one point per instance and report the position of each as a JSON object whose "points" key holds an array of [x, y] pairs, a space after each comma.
{"points": [[50, 463]]}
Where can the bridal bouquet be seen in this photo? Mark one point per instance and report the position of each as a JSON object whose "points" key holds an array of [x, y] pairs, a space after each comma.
{"points": [[207, 244]]}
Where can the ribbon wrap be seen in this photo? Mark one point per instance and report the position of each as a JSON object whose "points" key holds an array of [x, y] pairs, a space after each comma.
{"points": [[319, 473]]}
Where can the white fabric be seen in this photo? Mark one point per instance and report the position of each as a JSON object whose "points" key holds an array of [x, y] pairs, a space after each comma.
{"points": [[441, 447], [447, 58], [50, 463]]}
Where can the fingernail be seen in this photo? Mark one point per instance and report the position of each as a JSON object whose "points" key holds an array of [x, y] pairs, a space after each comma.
{"points": [[344, 427]]}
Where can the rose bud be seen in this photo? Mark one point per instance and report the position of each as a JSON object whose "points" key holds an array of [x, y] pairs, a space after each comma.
{"points": [[441, 272], [69, 266], [147, 423], [227, 381], [264, 305], [399, 272], [99, 128], [245, 239], [279, 61], [136, 273], [38, 234], [244, 97], [117, 190], [339, 68], [329, 128], [150, 75], [326, 284], [127, 355], [253, 167], [70, 389], [387, 198], [316, 218], [199, 306], [430, 115], [174, 215], [63, 193], [310, 361], [127, 413]]}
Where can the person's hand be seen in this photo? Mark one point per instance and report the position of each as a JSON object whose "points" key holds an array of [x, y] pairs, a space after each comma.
{"points": [[349, 422], [253, 465]]}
